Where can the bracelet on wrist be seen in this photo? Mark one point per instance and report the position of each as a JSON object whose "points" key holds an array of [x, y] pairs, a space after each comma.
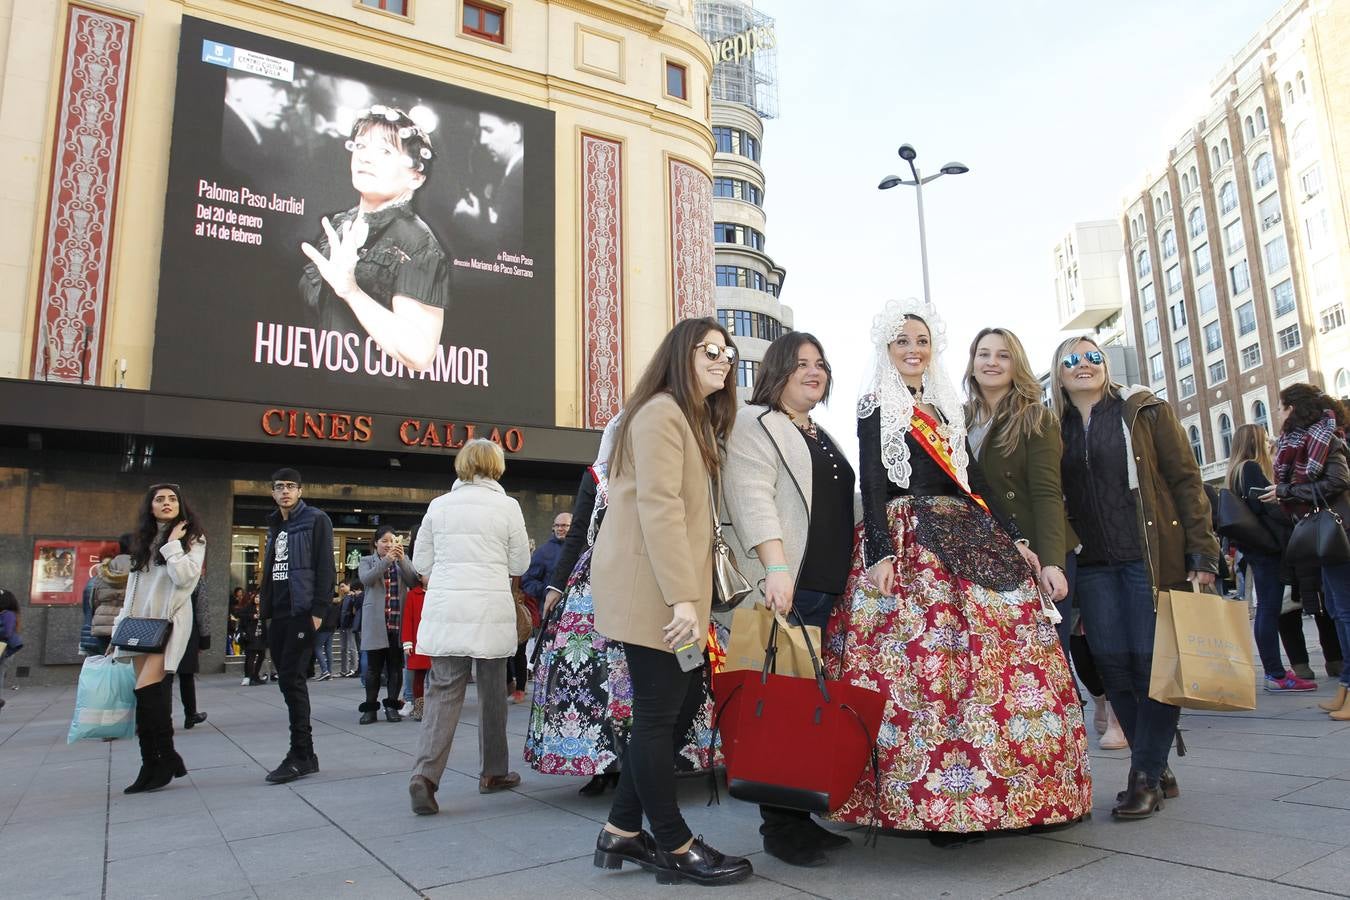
{"points": [[771, 569]]}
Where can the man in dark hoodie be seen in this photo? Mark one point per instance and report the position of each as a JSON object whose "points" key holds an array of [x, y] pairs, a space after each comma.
{"points": [[296, 591]]}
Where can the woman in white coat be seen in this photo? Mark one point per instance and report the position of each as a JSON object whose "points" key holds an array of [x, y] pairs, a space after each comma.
{"points": [[471, 543], [167, 552]]}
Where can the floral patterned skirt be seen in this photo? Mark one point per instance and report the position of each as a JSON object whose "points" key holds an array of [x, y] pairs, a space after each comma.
{"points": [[582, 710], [982, 728]]}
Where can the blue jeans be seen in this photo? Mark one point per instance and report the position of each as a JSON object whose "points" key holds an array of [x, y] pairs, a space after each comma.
{"points": [[323, 650], [1116, 603], [814, 608], [1336, 598], [1265, 571]]}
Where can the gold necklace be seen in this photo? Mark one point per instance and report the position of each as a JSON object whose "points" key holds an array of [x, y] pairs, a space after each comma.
{"points": [[809, 429]]}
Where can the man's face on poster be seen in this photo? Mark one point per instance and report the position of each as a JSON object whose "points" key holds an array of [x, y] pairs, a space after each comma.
{"points": [[260, 100], [500, 137]]}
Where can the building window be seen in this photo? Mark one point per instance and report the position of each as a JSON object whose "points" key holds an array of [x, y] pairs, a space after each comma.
{"points": [[1185, 183], [1216, 373], [1213, 337], [1326, 280], [1233, 237], [1155, 368], [1169, 244], [1197, 449], [1151, 332], [1290, 338], [1289, 93], [1146, 301], [746, 370], [1263, 172], [1249, 127], [1157, 208], [1250, 357], [1177, 312], [1302, 85], [1343, 383], [1277, 255], [1225, 435], [734, 140], [1144, 266], [1260, 120], [1282, 295], [1224, 152], [739, 276], [1173, 278], [484, 21], [1214, 157], [1205, 297], [1183, 352], [1316, 228], [1201, 257], [1312, 182], [1331, 318], [1196, 221], [676, 81], [731, 233], [737, 189], [1246, 317], [1268, 212], [1227, 198], [1260, 415], [397, 7], [1185, 387], [1239, 277], [1302, 140]]}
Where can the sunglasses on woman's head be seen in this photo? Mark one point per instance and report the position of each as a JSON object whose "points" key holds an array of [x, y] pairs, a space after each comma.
{"points": [[715, 352], [1093, 356]]}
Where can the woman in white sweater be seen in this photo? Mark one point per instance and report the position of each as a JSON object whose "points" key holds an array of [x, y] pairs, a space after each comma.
{"points": [[167, 551], [471, 543]]}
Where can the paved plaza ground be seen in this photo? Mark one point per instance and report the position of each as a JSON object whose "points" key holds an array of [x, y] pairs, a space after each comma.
{"points": [[1264, 812]]}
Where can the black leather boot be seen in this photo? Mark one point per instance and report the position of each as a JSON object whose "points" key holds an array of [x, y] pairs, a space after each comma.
{"points": [[1142, 799], [1169, 785], [369, 712], [145, 736], [701, 864]]}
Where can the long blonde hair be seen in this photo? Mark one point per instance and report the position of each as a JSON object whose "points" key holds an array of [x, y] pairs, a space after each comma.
{"points": [[1250, 444], [1020, 414], [1059, 398]]}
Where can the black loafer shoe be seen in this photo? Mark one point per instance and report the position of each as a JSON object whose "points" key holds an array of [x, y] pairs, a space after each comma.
{"points": [[795, 847], [291, 769], [701, 864], [613, 850], [194, 719]]}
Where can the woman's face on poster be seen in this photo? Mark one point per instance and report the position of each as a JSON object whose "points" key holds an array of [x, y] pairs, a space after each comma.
{"points": [[381, 170]]}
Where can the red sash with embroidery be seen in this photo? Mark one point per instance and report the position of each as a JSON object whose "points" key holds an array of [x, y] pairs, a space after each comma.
{"points": [[926, 428]]}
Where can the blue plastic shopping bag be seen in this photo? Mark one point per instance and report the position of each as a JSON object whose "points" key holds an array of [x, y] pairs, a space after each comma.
{"points": [[105, 702]]}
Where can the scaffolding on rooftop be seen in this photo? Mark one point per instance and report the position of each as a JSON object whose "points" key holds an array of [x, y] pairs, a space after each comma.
{"points": [[752, 80]]}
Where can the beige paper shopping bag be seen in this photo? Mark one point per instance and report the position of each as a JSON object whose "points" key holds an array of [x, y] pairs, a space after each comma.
{"points": [[1202, 653], [750, 627]]}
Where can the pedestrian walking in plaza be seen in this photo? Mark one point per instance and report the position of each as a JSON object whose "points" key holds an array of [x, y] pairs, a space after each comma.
{"points": [[1137, 503], [198, 639], [1015, 442], [11, 634], [651, 576], [1249, 474], [1311, 469], [534, 583], [323, 638], [471, 543], [386, 576], [105, 593], [297, 587], [347, 647], [789, 492], [943, 615], [252, 640], [168, 548], [415, 664]]}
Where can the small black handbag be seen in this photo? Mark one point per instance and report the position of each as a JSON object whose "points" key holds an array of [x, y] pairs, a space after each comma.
{"points": [[1236, 521], [143, 635], [1319, 538]]}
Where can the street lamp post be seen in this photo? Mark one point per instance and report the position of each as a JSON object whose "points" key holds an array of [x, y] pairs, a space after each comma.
{"points": [[909, 154]]}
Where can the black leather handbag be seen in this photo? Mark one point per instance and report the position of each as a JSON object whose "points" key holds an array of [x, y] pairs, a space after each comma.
{"points": [[1319, 538], [1236, 521], [143, 635]]}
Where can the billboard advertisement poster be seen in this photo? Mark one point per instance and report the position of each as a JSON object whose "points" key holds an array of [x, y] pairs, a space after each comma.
{"points": [[342, 234], [62, 569]]}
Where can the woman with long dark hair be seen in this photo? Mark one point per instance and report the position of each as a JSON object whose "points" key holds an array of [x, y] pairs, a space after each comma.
{"points": [[168, 548], [1311, 467], [651, 577]]}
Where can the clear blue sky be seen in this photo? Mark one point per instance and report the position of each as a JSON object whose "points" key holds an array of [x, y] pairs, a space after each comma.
{"points": [[1059, 108]]}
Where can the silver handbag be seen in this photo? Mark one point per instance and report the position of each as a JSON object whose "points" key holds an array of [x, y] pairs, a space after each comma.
{"points": [[730, 587]]}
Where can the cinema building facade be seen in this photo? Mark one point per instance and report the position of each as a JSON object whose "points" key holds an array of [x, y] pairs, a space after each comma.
{"points": [[160, 321]]}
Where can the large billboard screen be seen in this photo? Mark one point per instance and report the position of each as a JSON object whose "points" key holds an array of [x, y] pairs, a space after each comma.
{"points": [[342, 234]]}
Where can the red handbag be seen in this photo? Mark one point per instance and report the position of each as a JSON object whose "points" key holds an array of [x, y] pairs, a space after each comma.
{"points": [[799, 743]]}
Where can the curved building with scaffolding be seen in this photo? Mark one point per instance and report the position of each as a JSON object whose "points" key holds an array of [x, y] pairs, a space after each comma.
{"points": [[744, 94]]}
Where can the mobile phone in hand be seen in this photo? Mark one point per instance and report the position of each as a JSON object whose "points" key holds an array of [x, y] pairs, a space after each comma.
{"points": [[689, 656], [1254, 493]]}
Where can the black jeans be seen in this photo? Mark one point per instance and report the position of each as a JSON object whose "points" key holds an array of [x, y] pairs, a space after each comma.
{"points": [[814, 609], [291, 641], [253, 660], [387, 661], [187, 691], [665, 701], [516, 669]]}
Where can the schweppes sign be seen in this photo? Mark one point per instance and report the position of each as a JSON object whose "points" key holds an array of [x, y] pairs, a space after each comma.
{"points": [[737, 47]]}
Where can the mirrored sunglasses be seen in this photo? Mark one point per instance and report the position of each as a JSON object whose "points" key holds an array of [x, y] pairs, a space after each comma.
{"points": [[715, 352], [1093, 356]]}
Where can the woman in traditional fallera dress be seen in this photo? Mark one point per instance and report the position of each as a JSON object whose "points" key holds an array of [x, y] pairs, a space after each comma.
{"points": [[982, 729]]}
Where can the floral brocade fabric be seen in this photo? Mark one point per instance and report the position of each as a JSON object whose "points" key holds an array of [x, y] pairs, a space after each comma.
{"points": [[982, 729], [582, 710]]}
